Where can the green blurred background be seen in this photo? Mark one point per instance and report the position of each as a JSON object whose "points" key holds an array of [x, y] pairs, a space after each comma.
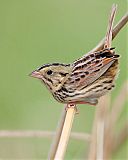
{"points": [[35, 32]]}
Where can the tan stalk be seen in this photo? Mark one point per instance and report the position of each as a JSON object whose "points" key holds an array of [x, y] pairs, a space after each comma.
{"points": [[56, 139], [121, 137], [115, 31], [118, 104], [96, 151], [65, 133], [40, 134], [103, 109], [112, 119]]}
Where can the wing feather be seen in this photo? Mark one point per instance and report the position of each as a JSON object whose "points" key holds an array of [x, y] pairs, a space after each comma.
{"points": [[88, 69]]}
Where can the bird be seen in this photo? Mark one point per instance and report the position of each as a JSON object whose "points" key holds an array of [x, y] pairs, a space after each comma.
{"points": [[86, 79]]}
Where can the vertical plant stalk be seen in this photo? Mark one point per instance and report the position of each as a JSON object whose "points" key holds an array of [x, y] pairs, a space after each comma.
{"points": [[115, 31], [112, 119], [56, 139], [59, 145], [65, 133], [96, 151], [118, 103], [102, 109], [120, 138]]}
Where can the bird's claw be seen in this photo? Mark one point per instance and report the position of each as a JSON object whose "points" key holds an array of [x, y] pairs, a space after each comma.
{"points": [[72, 105]]}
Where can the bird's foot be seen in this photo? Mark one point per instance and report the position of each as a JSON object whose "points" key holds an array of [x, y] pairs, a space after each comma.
{"points": [[71, 105]]}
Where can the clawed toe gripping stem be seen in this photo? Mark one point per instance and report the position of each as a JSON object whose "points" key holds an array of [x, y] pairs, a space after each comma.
{"points": [[71, 105]]}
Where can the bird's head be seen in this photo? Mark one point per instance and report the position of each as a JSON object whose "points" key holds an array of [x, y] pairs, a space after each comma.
{"points": [[53, 75]]}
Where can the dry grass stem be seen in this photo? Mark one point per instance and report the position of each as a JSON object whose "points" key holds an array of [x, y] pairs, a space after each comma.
{"points": [[118, 104], [102, 109], [25, 134], [97, 138], [40, 134], [56, 139], [115, 31], [112, 119], [65, 133], [81, 136], [97, 141], [121, 137], [92, 147], [120, 25]]}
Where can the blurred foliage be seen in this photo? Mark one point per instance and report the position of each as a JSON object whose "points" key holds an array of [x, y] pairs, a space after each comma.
{"points": [[34, 32]]}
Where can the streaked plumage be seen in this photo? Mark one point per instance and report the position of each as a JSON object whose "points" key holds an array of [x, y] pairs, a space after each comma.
{"points": [[86, 79]]}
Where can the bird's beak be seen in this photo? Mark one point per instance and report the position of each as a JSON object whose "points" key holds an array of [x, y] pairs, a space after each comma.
{"points": [[36, 74]]}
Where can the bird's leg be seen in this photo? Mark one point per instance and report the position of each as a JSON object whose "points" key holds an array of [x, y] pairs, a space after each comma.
{"points": [[71, 105], [88, 103]]}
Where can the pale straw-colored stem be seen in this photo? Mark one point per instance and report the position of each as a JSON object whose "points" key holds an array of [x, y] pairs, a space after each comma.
{"points": [[119, 103], [102, 110], [92, 147], [65, 133], [56, 139], [97, 141], [115, 31], [121, 137], [100, 139], [40, 134], [67, 113], [112, 119]]}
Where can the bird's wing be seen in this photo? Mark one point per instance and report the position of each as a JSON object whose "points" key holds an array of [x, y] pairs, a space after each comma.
{"points": [[88, 69]]}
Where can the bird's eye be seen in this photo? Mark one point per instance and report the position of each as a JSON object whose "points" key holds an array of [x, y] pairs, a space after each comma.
{"points": [[49, 72]]}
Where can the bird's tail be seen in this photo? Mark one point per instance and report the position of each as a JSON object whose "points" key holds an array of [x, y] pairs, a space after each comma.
{"points": [[108, 38]]}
